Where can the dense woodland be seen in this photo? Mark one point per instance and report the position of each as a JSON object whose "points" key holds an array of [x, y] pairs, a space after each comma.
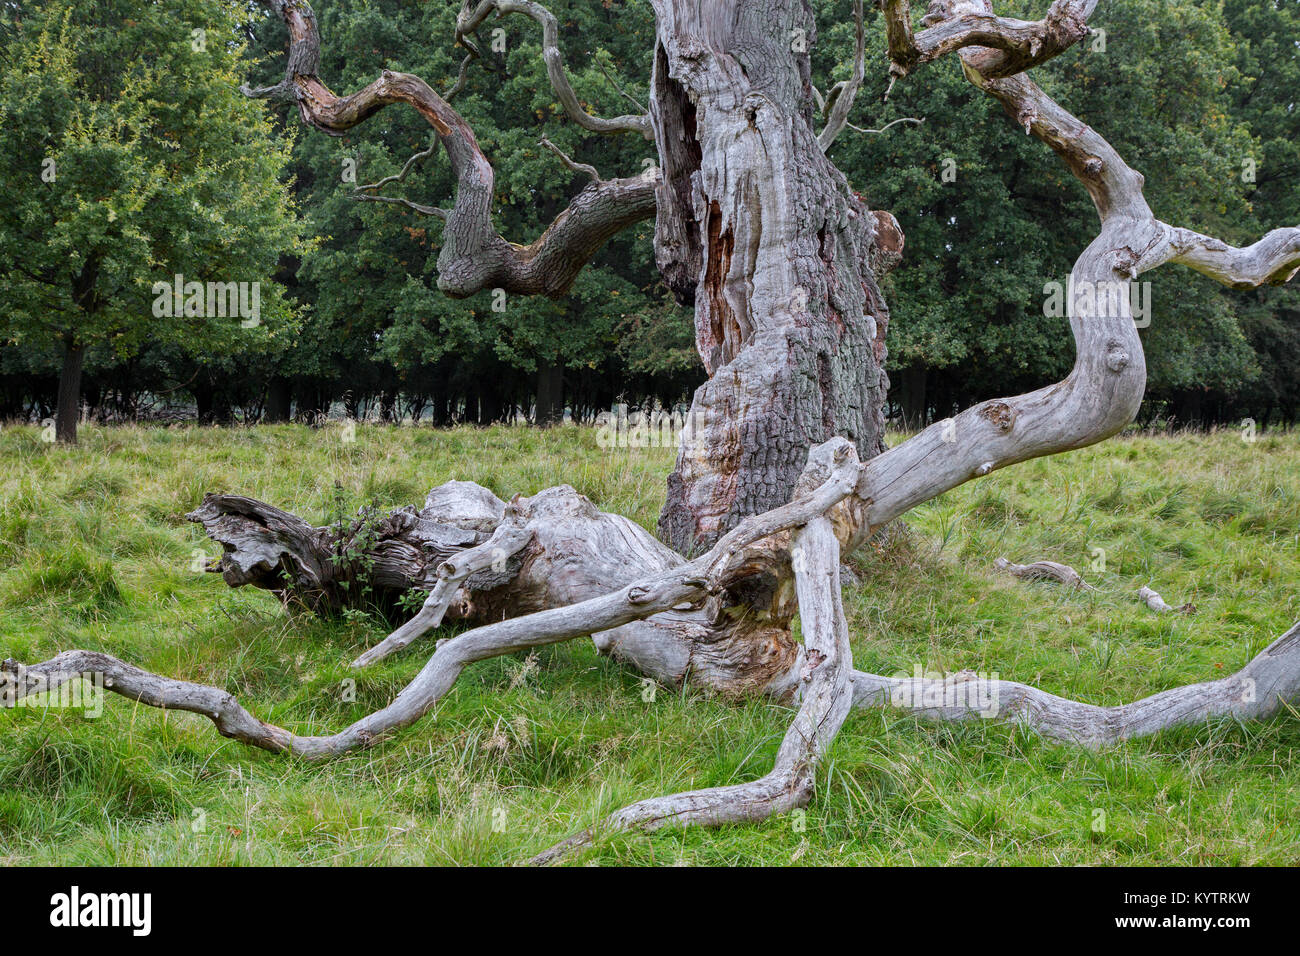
{"points": [[102, 203]]}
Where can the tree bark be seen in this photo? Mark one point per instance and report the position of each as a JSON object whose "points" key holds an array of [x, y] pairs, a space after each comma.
{"points": [[759, 230], [68, 406]]}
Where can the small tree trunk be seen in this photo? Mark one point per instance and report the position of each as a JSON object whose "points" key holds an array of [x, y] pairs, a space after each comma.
{"points": [[550, 392], [69, 400], [279, 400]]}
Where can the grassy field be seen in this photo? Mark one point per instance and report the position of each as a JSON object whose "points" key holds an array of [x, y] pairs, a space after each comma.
{"points": [[94, 553]]}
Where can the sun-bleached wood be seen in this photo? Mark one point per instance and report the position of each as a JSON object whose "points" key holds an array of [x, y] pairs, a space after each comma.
{"points": [[1153, 600], [824, 699], [1044, 571]]}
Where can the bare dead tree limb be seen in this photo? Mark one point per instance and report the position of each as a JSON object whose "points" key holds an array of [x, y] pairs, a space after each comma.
{"points": [[1273, 260], [471, 18], [1153, 600], [839, 102], [890, 125], [509, 538], [584, 168], [830, 477], [958, 24], [824, 702], [1268, 685], [474, 255], [1044, 571]]}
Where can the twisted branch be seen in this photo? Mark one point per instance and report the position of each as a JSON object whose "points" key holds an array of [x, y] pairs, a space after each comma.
{"points": [[471, 18], [474, 255]]}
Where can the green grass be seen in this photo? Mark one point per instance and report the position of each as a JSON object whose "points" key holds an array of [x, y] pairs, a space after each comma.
{"points": [[95, 553]]}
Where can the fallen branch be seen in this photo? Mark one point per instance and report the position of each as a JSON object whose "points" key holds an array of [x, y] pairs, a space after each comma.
{"points": [[825, 701], [1268, 685], [510, 537], [829, 477], [1154, 601], [1045, 571]]}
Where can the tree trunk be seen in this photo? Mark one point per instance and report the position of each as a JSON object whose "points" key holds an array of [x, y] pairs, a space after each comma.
{"points": [[68, 408], [766, 238], [279, 400], [550, 392]]}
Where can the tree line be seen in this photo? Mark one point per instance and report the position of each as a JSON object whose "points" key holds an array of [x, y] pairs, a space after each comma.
{"points": [[137, 167]]}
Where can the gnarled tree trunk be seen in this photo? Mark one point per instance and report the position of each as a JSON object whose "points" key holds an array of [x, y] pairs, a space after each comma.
{"points": [[764, 236]]}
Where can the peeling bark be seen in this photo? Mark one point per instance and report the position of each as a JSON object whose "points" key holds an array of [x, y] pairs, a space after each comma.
{"points": [[789, 321]]}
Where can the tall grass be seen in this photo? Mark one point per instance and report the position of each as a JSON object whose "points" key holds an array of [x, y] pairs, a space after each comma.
{"points": [[95, 553]]}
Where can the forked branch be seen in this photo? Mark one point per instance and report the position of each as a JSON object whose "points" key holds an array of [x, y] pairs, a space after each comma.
{"points": [[824, 697], [474, 255], [472, 16], [1265, 687], [958, 24]]}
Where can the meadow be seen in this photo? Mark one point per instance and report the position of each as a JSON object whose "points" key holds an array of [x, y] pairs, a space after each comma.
{"points": [[95, 553]]}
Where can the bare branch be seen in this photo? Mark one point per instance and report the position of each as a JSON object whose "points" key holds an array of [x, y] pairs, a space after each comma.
{"points": [[472, 16], [1044, 571], [423, 210], [828, 479], [462, 76], [474, 255], [1013, 46], [622, 92], [825, 701], [509, 538], [1153, 600], [363, 194], [1268, 685], [887, 126], [840, 100], [583, 168], [1273, 260], [400, 177]]}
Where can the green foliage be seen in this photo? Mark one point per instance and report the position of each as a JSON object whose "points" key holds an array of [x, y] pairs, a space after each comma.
{"points": [[131, 157], [375, 308], [175, 172]]}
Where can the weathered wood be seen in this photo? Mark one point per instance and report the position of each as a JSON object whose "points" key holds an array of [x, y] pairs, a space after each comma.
{"points": [[365, 560], [778, 253], [824, 697], [1153, 600], [831, 475], [1267, 686], [1044, 571]]}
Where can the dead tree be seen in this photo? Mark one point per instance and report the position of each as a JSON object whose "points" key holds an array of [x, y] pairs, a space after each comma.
{"points": [[778, 255]]}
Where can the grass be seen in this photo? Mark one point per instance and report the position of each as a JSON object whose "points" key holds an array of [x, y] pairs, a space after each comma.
{"points": [[95, 553]]}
